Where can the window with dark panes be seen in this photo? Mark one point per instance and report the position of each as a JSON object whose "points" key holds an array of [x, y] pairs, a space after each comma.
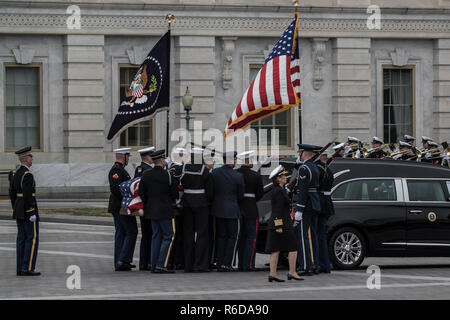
{"points": [[23, 107], [140, 134], [398, 103], [280, 121], [419, 190], [366, 190]]}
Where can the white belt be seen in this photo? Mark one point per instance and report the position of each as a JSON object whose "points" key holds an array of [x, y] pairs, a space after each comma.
{"points": [[327, 193], [194, 191], [249, 195]]}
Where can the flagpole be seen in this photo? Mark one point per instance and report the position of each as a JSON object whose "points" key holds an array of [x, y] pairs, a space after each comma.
{"points": [[169, 18]]}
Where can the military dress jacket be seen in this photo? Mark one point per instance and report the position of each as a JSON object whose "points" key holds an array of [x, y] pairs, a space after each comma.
{"points": [[326, 180], [307, 187], [280, 216], [376, 154], [194, 179], [158, 193], [141, 168], [253, 192], [116, 176], [23, 194], [225, 189]]}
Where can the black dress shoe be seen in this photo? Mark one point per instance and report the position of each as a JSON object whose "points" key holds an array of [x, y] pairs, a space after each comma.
{"points": [[306, 273], [132, 266], [275, 279], [324, 271], [256, 269], [30, 273], [290, 277], [123, 266], [316, 271]]}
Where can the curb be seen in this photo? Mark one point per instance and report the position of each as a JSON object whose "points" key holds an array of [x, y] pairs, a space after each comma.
{"points": [[104, 221]]}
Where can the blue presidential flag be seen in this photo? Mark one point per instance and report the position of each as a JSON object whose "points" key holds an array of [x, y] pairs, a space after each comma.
{"points": [[148, 92]]}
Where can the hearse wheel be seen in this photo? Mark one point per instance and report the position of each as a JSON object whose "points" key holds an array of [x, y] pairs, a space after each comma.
{"points": [[347, 248]]}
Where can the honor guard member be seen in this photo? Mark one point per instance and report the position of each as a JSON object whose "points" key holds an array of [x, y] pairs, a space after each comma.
{"points": [[253, 192], [339, 150], [226, 190], [126, 230], [26, 214], [434, 154], [425, 142], [158, 193], [194, 178], [146, 224], [176, 259], [352, 149], [326, 180], [377, 152], [404, 149], [307, 209], [208, 159], [409, 139]]}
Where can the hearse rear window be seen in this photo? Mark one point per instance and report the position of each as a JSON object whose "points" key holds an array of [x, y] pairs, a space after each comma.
{"points": [[366, 190], [423, 190]]}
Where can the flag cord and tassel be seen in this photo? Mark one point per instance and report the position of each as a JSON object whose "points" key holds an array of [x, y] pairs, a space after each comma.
{"points": [[169, 18]]}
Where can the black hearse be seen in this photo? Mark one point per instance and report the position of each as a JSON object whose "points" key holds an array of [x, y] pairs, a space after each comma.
{"points": [[383, 208]]}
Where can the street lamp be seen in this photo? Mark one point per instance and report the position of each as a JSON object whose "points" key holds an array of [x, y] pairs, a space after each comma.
{"points": [[187, 100]]}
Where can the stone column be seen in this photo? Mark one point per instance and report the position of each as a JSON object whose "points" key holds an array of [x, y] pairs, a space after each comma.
{"points": [[441, 66], [351, 88], [84, 108], [195, 67]]}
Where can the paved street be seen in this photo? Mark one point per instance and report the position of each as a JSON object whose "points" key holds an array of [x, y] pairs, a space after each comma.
{"points": [[91, 248]]}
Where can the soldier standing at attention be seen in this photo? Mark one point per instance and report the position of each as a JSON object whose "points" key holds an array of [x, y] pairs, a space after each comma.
{"points": [[307, 209], [26, 214], [226, 189], [194, 178], [146, 224], [326, 180], [253, 191], [158, 193], [116, 176]]}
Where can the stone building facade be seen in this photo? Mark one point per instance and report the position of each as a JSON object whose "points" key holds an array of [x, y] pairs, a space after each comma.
{"points": [[61, 85]]}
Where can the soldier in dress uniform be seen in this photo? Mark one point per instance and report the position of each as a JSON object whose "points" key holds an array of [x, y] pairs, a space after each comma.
{"points": [[377, 152], [326, 180], [116, 176], [158, 193], [26, 214], [146, 224], [405, 148], [226, 190], [307, 210], [352, 148], [194, 178], [410, 139], [208, 159], [434, 154], [339, 150], [253, 192], [176, 259]]}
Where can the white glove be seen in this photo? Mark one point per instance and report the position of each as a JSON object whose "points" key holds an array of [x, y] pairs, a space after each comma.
{"points": [[298, 216], [33, 218]]}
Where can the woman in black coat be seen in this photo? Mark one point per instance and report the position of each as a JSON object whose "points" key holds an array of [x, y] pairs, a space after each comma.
{"points": [[281, 235]]}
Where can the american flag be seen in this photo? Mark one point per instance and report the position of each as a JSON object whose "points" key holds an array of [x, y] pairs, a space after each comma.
{"points": [[276, 87], [131, 202]]}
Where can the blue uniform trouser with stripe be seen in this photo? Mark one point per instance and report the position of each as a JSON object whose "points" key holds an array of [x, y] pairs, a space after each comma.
{"points": [[129, 225], [27, 244], [307, 241], [324, 262], [227, 236], [162, 240], [247, 243], [119, 235]]}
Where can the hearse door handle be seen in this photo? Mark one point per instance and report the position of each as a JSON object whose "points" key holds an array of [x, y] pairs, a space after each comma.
{"points": [[416, 212]]}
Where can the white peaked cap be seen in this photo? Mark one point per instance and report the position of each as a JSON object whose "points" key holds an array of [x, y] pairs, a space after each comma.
{"points": [[340, 145], [408, 137], [352, 139], [122, 150], [197, 150], [404, 144], [180, 150], [246, 154], [146, 150], [377, 140], [426, 138], [276, 171]]}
